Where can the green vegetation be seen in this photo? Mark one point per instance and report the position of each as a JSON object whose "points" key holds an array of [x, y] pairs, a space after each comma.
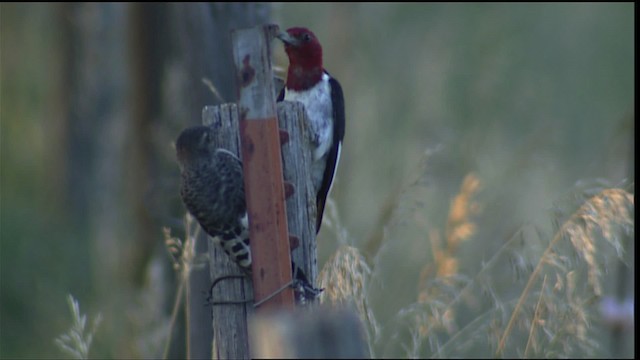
{"points": [[483, 206]]}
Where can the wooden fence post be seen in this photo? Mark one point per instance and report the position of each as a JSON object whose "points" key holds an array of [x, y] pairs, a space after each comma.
{"points": [[262, 166], [301, 205], [229, 321]]}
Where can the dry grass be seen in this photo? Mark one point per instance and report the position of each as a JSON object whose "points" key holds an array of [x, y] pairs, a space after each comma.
{"points": [[459, 228], [440, 283], [549, 309], [547, 318], [345, 277], [184, 259], [589, 229], [76, 343]]}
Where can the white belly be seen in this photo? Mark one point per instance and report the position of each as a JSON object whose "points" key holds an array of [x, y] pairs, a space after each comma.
{"points": [[318, 106]]}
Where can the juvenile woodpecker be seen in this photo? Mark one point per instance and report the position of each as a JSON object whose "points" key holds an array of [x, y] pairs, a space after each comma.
{"points": [[212, 189], [309, 83]]}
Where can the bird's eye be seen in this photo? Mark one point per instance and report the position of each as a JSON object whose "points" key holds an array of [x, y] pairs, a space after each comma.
{"points": [[306, 37]]}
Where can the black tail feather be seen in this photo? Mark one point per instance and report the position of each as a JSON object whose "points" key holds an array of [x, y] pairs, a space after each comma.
{"points": [[302, 287]]}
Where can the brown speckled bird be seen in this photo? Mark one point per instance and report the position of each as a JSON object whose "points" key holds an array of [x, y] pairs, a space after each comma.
{"points": [[212, 189]]}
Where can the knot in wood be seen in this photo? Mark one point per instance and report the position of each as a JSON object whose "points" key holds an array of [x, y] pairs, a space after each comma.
{"points": [[247, 73]]}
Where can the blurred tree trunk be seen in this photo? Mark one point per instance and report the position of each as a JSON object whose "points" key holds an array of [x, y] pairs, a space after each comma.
{"points": [[132, 78], [94, 87]]}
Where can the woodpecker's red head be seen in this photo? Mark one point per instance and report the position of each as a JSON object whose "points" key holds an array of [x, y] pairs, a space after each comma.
{"points": [[305, 58]]}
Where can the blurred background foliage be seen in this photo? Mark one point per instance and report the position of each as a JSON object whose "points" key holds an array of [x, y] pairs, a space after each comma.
{"points": [[535, 102]]}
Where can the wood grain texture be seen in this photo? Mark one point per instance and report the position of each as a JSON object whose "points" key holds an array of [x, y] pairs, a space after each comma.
{"points": [[301, 206], [262, 167], [230, 339]]}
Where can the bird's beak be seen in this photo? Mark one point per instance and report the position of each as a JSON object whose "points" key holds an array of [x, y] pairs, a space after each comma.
{"points": [[286, 38]]}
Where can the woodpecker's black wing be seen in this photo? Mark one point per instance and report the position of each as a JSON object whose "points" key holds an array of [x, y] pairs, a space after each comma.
{"points": [[337, 101], [281, 95]]}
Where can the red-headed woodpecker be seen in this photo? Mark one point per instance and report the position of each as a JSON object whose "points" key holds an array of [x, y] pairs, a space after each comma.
{"points": [[309, 83]]}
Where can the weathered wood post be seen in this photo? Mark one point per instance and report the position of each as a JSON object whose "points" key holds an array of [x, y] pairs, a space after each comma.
{"points": [[301, 205], [262, 166], [229, 321], [230, 339]]}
